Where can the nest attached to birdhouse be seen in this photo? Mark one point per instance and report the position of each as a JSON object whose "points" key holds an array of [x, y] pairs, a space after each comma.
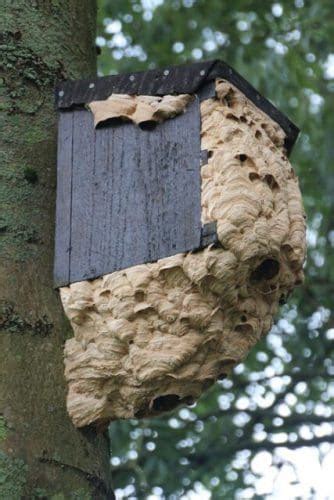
{"points": [[157, 335]]}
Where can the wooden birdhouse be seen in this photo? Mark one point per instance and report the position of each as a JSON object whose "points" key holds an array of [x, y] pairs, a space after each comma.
{"points": [[179, 230]]}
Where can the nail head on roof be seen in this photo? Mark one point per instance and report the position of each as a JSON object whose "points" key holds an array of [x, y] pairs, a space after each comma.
{"points": [[61, 93], [91, 85], [202, 72], [166, 72], [132, 78]]}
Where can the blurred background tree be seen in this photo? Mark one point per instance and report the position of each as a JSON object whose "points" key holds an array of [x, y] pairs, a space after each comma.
{"points": [[246, 438]]}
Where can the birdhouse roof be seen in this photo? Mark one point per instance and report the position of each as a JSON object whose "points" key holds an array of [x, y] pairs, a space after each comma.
{"points": [[197, 78]]}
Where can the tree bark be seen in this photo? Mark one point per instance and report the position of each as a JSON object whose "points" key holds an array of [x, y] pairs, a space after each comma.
{"points": [[41, 453]]}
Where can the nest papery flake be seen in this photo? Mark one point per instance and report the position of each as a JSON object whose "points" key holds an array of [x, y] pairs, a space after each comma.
{"points": [[139, 109], [157, 335]]}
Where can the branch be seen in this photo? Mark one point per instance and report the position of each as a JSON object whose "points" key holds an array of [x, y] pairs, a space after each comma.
{"points": [[269, 445], [97, 481], [295, 378], [252, 446]]}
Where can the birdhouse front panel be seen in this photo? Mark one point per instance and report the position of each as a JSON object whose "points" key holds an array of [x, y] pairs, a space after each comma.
{"points": [[127, 194], [152, 336]]}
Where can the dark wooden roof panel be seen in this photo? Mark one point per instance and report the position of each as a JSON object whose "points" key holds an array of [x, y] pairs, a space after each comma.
{"points": [[184, 79]]}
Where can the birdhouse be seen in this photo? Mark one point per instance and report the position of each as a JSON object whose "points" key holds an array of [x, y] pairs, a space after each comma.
{"points": [[179, 231]]}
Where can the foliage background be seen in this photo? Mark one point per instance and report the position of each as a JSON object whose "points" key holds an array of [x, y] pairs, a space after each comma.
{"points": [[234, 443]]}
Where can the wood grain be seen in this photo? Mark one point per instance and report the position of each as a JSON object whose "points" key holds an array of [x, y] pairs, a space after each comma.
{"points": [[83, 202], [64, 200]]}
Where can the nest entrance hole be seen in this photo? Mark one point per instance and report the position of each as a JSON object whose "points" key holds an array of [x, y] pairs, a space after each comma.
{"points": [[268, 269], [170, 401]]}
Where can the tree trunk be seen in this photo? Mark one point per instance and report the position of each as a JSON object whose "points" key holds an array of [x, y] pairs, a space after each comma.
{"points": [[41, 453]]}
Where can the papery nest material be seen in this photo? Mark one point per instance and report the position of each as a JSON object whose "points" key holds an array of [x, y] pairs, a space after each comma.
{"points": [[139, 109], [154, 336]]}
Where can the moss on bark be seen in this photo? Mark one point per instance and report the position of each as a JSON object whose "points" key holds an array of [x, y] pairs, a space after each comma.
{"points": [[12, 477], [41, 453]]}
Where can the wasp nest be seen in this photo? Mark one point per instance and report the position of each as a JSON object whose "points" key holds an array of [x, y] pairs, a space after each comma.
{"points": [[154, 336], [139, 109]]}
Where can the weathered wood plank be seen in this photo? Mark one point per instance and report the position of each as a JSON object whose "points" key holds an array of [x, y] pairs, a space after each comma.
{"points": [[63, 211], [83, 203], [98, 240], [129, 217]]}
